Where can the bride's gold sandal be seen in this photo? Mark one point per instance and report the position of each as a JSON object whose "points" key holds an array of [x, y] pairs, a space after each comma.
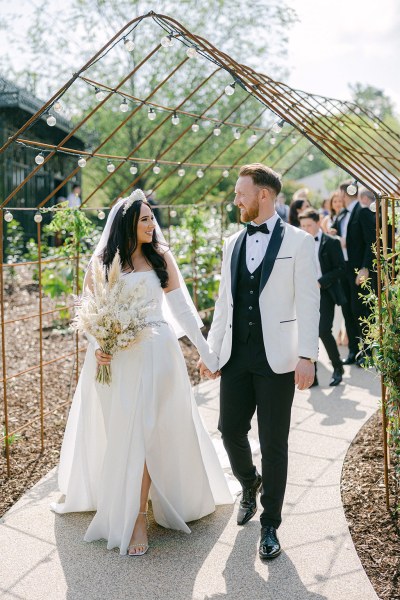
{"points": [[136, 546]]}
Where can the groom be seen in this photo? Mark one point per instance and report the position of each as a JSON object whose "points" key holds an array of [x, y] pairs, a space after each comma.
{"points": [[265, 333]]}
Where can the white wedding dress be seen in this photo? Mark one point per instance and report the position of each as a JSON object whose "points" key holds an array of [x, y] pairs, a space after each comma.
{"points": [[147, 414]]}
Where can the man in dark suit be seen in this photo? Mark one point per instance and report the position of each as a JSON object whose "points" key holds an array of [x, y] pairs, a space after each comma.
{"points": [[355, 225], [331, 270]]}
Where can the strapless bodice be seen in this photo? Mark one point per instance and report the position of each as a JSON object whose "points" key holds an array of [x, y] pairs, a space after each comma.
{"points": [[154, 292]]}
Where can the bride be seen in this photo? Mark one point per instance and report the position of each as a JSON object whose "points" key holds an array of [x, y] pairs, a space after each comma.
{"points": [[142, 436]]}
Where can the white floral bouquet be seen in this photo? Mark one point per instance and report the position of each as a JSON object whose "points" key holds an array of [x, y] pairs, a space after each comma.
{"points": [[113, 313]]}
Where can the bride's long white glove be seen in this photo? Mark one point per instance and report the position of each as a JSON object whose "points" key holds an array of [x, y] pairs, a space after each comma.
{"points": [[182, 313]]}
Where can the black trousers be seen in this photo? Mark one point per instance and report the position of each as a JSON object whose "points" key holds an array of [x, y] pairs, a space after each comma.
{"points": [[355, 306], [349, 310], [327, 313], [248, 384]]}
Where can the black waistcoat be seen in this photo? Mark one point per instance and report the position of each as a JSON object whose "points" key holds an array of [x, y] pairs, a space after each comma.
{"points": [[246, 307]]}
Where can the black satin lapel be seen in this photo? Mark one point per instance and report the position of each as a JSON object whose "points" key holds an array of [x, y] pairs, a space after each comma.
{"points": [[354, 213], [339, 220], [235, 259], [322, 244], [272, 252]]}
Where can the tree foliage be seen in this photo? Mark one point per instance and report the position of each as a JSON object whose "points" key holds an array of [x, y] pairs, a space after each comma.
{"points": [[372, 99], [58, 43], [248, 32]]}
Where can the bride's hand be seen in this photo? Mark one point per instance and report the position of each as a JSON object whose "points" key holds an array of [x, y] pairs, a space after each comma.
{"points": [[103, 358], [212, 376], [204, 372]]}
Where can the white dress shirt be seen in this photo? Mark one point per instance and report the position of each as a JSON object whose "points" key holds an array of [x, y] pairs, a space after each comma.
{"points": [[344, 224], [318, 238], [257, 244]]}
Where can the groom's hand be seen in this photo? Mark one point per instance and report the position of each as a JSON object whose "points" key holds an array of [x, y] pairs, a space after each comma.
{"points": [[304, 374], [204, 372]]}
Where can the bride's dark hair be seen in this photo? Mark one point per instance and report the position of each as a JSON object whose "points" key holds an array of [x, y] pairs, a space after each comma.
{"points": [[123, 237]]}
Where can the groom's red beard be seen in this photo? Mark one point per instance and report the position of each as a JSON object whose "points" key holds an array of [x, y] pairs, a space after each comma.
{"points": [[248, 214]]}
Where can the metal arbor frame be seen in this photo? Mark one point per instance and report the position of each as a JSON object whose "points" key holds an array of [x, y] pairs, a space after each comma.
{"points": [[351, 137]]}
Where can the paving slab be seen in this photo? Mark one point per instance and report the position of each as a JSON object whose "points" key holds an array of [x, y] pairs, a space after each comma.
{"points": [[44, 557]]}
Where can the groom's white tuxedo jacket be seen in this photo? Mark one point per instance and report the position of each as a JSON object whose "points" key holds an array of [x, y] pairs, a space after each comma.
{"points": [[289, 298]]}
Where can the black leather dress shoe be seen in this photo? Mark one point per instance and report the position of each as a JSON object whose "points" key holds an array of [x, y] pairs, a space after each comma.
{"points": [[248, 503], [337, 376], [269, 543], [350, 360], [360, 362]]}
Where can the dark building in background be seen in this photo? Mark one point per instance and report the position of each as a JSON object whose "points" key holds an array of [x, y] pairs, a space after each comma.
{"points": [[16, 107]]}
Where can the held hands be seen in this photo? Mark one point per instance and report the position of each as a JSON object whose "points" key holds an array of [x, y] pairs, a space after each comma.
{"points": [[304, 374], [103, 358], [204, 372]]}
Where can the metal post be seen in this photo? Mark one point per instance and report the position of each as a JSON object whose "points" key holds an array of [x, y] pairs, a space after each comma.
{"points": [[194, 245], [221, 208], [169, 225], [77, 290], [383, 387], [393, 240], [3, 346], [39, 240]]}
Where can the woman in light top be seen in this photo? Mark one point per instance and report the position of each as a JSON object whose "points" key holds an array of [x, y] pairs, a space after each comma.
{"points": [[335, 206]]}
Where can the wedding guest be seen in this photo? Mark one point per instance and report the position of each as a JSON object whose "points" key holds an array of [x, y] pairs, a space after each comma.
{"points": [[281, 207], [335, 205], [301, 194], [324, 209], [295, 208], [74, 199], [356, 227], [331, 270], [366, 197]]}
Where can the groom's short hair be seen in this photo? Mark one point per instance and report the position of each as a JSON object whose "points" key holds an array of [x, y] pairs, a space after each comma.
{"points": [[262, 176]]}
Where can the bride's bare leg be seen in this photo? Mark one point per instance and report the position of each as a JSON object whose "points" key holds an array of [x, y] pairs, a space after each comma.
{"points": [[139, 534]]}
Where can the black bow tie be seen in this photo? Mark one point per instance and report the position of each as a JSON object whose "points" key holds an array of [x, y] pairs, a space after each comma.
{"points": [[251, 229], [316, 239]]}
